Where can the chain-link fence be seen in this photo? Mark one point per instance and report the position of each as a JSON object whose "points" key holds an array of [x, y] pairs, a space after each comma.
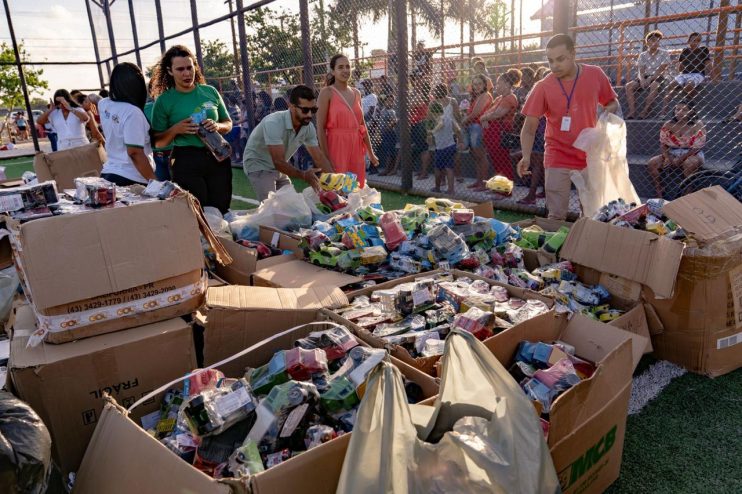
{"points": [[417, 65]]}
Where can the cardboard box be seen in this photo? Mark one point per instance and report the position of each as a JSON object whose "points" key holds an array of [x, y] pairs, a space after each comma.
{"points": [[65, 166], [535, 258], [281, 239], [424, 364], [120, 447], [99, 271], [587, 422], [691, 290], [301, 274], [65, 383], [6, 251], [239, 316]]}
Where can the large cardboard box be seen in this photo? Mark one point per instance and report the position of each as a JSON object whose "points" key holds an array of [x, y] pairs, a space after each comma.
{"points": [[692, 290], [65, 166], [239, 316], [120, 450], [65, 384], [301, 274], [111, 268], [245, 260], [587, 422], [424, 364]]}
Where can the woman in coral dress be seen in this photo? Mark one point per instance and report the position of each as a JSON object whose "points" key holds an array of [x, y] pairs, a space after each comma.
{"points": [[340, 126]]}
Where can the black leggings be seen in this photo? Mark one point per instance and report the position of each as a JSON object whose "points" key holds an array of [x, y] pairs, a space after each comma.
{"points": [[119, 180], [197, 171]]}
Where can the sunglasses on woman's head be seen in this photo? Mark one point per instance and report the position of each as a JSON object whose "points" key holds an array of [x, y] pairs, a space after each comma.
{"points": [[307, 109]]}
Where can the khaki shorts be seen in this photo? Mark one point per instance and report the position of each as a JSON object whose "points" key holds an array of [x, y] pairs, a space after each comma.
{"points": [[557, 185]]}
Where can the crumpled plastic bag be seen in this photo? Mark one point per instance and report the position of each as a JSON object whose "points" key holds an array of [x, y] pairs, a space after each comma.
{"points": [[482, 435], [284, 209], [25, 448], [8, 287], [217, 223], [356, 200], [606, 176]]}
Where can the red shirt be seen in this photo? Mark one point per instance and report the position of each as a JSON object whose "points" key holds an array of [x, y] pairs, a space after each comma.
{"points": [[547, 99]]}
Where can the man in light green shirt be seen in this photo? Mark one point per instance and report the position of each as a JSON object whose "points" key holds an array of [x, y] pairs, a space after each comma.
{"points": [[275, 140]]}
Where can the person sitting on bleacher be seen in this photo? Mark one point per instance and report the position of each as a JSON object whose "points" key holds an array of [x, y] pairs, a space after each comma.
{"points": [[651, 67], [681, 143], [694, 65]]}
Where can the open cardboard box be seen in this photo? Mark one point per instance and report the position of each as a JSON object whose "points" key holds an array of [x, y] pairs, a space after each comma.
{"points": [[245, 260], [239, 316], [296, 273], [123, 458], [695, 292], [425, 364], [65, 166], [111, 268], [65, 384]]}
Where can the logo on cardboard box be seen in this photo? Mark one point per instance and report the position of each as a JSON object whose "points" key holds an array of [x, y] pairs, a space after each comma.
{"points": [[115, 388], [570, 475]]}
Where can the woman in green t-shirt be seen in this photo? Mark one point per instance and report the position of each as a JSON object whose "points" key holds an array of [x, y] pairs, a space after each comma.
{"points": [[182, 97]]}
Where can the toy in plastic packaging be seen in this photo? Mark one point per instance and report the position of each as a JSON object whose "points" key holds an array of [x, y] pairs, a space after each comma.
{"points": [[442, 206], [212, 453], [529, 310], [216, 409], [361, 360], [319, 434], [214, 141], [560, 376], [404, 263], [414, 297], [202, 380], [339, 395], [413, 217], [285, 411], [394, 235], [373, 255], [95, 191], [538, 391], [447, 244], [370, 214], [556, 241], [246, 460], [462, 216], [160, 190], [475, 321], [500, 184], [339, 182], [513, 256], [332, 200], [349, 260]]}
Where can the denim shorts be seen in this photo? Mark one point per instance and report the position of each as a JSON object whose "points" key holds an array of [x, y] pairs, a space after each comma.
{"points": [[474, 136], [444, 157]]}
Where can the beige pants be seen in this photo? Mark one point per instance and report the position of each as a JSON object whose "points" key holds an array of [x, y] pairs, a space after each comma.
{"points": [[557, 184]]}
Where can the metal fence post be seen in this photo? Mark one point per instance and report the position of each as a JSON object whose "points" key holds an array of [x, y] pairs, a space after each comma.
{"points": [[109, 24], [22, 77], [246, 79], [562, 13], [405, 145], [134, 33], [160, 28], [197, 35], [95, 43], [306, 44]]}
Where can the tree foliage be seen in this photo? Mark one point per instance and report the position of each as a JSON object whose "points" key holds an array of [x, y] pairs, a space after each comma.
{"points": [[218, 61], [11, 93]]}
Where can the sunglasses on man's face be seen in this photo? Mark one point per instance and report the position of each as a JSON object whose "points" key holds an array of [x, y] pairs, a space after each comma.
{"points": [[307, 109]]}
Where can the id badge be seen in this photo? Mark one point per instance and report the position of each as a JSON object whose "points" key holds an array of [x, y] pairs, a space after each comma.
{"points": [[566, 124]]}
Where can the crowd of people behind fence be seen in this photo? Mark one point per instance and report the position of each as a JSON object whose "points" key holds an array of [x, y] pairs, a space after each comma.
{"points": [[451, 115]]}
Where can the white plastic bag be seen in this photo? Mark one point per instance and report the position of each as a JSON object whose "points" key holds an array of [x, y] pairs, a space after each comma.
{"points": [[284, 209], [482, 435], [606, 177], [8, 287], [356, 200], [217, 223]]}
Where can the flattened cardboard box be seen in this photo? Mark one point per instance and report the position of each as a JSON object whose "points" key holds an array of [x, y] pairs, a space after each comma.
{"points": [[120, 448], [301, 274], [701, 328], [587, 422], [238, 316], [65, 383], [65, 166]]}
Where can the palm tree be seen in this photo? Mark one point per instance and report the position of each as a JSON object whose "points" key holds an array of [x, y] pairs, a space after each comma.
{"points": [[475, 13]]}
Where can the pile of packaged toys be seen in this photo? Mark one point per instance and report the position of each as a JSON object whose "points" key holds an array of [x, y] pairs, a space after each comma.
{"points": [[41, 200], [303, 397], [546, 370], [419, 315], [649, 216]]}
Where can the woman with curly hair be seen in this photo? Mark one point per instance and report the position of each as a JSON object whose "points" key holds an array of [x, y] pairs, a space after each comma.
{"points": [[182, 96]]}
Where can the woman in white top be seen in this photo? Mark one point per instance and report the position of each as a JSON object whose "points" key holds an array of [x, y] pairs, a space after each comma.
{"points": [[68, 119], [126, 128]]}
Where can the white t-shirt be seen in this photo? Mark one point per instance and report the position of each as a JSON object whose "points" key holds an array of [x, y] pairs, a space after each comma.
{"points": [[369, 101], [70, 130], [124, 125], [444, 137]]}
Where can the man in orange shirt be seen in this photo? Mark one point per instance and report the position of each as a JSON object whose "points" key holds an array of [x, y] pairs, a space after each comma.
{"points": [[569, 99]]}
